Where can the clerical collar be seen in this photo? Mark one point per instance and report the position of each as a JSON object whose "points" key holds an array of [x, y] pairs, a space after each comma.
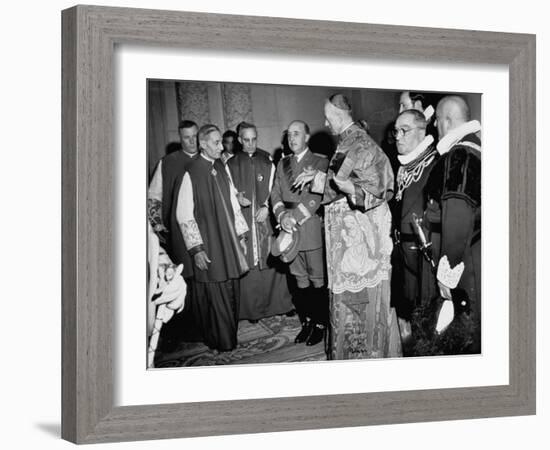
{"points": [[455, 135], [210, 160], [191, 155], [420, 148], [300, 156], [346, 127], [250, 154]]}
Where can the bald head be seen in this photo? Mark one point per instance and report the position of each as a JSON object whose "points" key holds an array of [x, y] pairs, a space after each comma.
{"points": [[452, 111]]}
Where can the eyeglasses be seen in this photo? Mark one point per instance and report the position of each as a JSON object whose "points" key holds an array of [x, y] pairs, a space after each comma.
{"points": [[396, 132]]}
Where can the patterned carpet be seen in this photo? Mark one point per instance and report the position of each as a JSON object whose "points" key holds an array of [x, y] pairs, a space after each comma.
{"points": [[270, 340]]}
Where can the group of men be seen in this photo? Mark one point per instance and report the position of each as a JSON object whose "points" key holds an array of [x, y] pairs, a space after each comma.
{"points": [[437, 218], [211, 208], [245, 230]]}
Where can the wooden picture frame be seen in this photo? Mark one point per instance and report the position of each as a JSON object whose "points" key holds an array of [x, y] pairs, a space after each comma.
{"points": [[90, 34]]}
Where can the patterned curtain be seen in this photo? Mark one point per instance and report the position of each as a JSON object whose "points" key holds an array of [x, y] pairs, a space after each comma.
{"points": [[192, 101], [237, 104]]}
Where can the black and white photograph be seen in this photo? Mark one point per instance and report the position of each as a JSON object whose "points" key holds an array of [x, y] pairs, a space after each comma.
{"points": [[310, 223], [256, 225]]}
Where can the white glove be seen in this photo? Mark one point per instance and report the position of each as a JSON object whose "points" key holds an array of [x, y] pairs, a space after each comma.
{"points": [[445, 316]]}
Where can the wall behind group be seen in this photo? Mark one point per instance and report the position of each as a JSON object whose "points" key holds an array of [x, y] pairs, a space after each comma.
{"points": [[270, 107]]}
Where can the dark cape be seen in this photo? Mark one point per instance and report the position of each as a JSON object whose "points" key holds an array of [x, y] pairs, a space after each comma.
{"points": [[216, 222], [183, 326], [174, 166], [217, 288]]}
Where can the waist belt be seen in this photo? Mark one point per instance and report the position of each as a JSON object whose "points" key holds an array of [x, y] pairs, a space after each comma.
{"points": [[407, 237], [291, 205]]}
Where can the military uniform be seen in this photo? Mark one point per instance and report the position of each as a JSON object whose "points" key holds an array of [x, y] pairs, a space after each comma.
{"points": [[309, 265]]}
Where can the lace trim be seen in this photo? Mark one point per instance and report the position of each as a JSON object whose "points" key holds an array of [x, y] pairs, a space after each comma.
{"points": [[191, 234]]}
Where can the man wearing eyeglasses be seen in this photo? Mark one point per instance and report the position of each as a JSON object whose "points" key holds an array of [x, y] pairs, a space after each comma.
{"points": [[417, 156]]}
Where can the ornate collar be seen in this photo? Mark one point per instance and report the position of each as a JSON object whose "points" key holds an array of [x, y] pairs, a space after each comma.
{"points": [[410, 157], [455, 135], [412, 172]]}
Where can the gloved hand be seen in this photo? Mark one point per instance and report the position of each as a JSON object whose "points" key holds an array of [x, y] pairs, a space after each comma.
{"points": [[173, 295]]}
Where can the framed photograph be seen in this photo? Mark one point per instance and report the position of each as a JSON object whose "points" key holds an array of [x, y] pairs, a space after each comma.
{"points": [[134, 79], [278, 304]]}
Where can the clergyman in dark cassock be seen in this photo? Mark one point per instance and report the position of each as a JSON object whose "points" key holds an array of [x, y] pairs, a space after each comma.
{"points": [[264, 289], [296, 212], [214, 231], [161, 210]]}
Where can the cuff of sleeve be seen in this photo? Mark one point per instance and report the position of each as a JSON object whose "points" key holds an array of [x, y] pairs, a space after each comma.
{"points": [[449, 277], [301, 214], [318, 183], [191, 234], [193, 251], [278, 209]]}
